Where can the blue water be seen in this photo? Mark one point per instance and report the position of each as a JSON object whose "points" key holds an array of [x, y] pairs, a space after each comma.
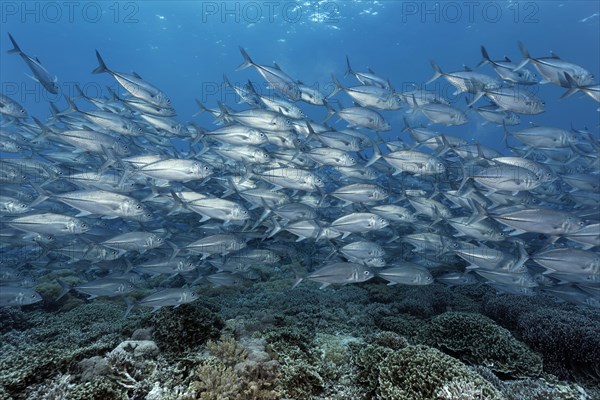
{"points": [[185, 47]]}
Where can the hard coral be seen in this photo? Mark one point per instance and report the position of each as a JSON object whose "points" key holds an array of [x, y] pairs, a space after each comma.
{"points": [[421, 373], [476, 339], [228, 350], [215, 381], [414, 373], [570, 342], [180, 329]]}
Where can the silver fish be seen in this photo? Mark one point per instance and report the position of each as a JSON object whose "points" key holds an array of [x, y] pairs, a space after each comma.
{"points": [[40, 74]]}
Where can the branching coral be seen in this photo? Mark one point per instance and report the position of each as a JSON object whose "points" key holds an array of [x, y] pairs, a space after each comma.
{"points": [[215, 381], [228, 350]]}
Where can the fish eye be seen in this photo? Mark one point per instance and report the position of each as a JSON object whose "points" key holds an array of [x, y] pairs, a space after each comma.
{"points": [[366, 273], [33, 296]]}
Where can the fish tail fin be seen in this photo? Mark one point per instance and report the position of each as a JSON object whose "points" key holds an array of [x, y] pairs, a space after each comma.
{"points": [[224, 112], [525, 54], [130, 304], [276, 228], [338, 87], [573, 86], [247, 60], [72, 107], [265, 214], [176, 209], [311, 133], [479, 213], [45, 130], [505, 135], [376, 154], [201, 108], [251, 88], [54, 110], [43, 195], [446, 146], [330, 111], [101, 65], [465, 179], [485, 57], [79, 91], [349, 70], [16, 49], [197, 138], [437, 72], [226, 81], [406, 126], [523, 50], [299, 278], [65, 289]]}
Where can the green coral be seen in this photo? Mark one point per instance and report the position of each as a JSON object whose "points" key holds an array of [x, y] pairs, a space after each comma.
{"points": [[476, 339]]}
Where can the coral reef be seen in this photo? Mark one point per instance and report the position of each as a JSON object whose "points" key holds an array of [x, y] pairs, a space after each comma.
{"points": [[57, 341], [266, 342], [12, 318], [184, 328], [570, 342], [567, 337], [476, 339], [539, 389], [215, 381], [228, 350], [417, 373]]}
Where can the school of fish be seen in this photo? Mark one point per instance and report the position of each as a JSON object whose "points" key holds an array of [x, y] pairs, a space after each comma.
{"points": [[101, 188]]}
